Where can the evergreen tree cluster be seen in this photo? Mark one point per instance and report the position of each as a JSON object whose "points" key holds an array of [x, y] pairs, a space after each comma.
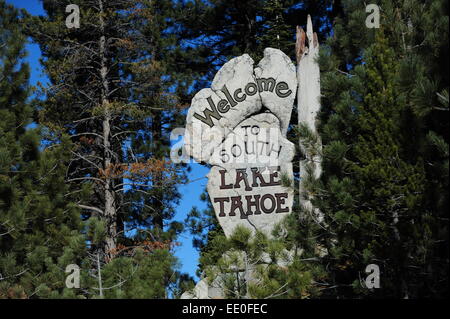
{"points": [[39, 228], [85, 175], [384, 128], [385, 131]]}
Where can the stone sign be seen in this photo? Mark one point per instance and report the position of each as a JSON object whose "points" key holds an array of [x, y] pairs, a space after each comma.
{"points": [[239, 126], [245, 182]]}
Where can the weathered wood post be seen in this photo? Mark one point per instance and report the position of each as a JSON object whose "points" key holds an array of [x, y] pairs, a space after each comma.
{"points": [[308, 95]]}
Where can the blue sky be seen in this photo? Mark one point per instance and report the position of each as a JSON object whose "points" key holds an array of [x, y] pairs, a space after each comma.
{"points": [[190, 192]]}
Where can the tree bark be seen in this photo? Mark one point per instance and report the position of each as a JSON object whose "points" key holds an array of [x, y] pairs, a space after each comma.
{"points": [[308, 75], [157, 202], [110, 212]]}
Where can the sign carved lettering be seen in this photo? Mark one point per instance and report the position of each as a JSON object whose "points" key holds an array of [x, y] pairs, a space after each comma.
{"points": [[239, 127]]}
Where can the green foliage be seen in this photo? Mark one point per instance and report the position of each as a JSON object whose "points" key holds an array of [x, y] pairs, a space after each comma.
{"points": [[144, 275], [39, 228], [116, 89], [382, 196], [207, 233], [250, 265], [99, 129], [218, 30], [384, 95]]}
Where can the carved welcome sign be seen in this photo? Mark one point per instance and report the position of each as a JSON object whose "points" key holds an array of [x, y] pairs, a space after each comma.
{"points": [[239, 126]]}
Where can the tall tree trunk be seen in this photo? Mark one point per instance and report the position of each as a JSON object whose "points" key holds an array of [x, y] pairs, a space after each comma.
{"points": [[308, 75], [158, 220], [110, 213]]}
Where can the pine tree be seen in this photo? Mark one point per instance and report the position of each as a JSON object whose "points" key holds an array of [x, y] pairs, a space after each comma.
{"points": [[156, 76], [39, 228], [110, 91], [204, 227], [381, 189], [218, 30], [381, 200]]}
